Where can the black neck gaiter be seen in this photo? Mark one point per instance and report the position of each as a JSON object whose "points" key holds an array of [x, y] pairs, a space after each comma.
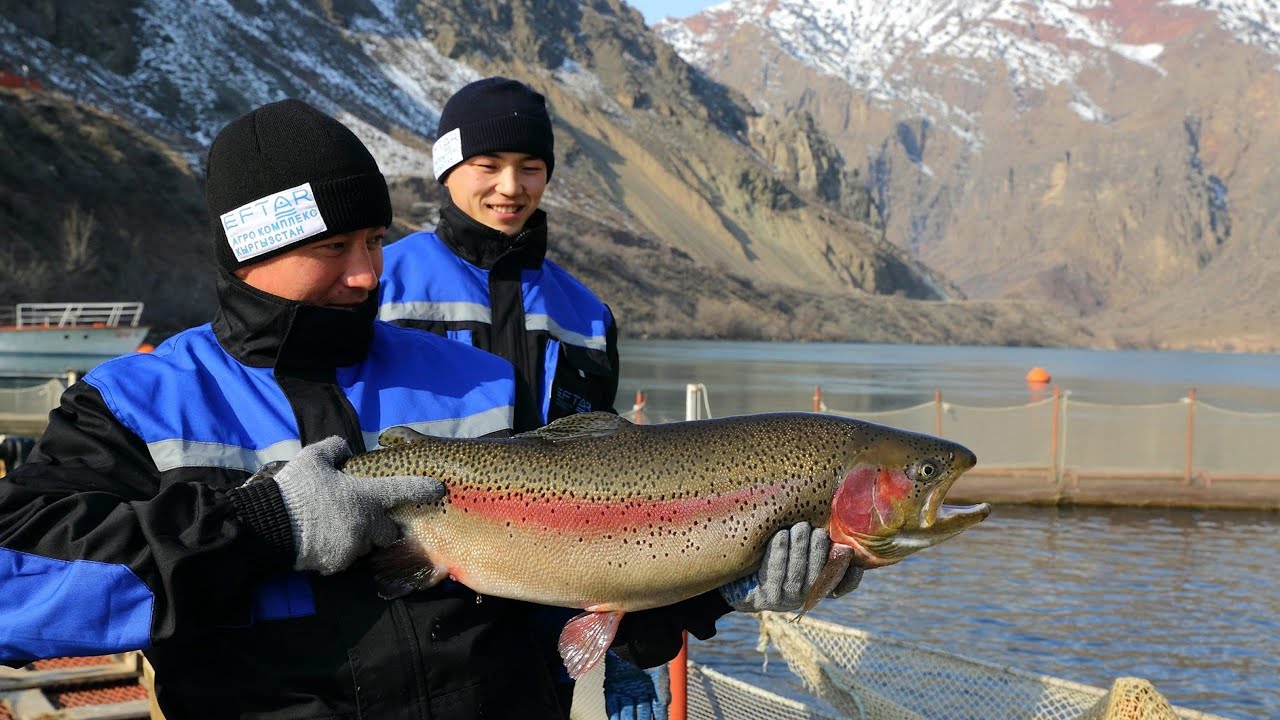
{"points": [[262, 330], [483, 246]]}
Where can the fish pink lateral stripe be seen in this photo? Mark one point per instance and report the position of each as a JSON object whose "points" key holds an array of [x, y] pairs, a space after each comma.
{"points": [[564, 513]]}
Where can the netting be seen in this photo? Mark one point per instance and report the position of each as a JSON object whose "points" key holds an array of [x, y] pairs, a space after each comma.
{"points": [[855, 674], [1124, 438], [715, 696], [1008, 437], [917, 418], [878, 678], [33, 401], [1166, 439], [1228, 442]]}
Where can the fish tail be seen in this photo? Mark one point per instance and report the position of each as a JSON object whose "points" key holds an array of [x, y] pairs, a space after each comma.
{"points": [[586, 638], [403, 567], [838, 559]]}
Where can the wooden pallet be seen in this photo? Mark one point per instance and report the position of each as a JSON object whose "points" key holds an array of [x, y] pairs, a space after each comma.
{"points": [[108, 687]]}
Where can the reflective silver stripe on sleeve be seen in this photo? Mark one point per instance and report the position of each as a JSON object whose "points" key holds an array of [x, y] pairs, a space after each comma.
{"points": [[544, 322], [480, 424], [170, 454], [436, 311]]}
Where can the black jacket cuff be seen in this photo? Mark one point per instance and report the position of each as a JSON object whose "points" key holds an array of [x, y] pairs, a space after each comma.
{"points": [[260, 507]]}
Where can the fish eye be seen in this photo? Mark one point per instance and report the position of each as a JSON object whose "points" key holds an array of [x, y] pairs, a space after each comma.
{"points": [[924, 470]]}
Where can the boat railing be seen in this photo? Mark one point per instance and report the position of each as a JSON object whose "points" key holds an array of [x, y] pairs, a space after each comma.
{"points": [[63, 314]]}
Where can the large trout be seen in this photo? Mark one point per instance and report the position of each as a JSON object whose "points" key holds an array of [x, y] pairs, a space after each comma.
{"points": [[597, 513]]}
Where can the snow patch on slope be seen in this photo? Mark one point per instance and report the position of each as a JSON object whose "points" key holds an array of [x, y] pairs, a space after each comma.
{"points": [[877, 46], [185, 83]]}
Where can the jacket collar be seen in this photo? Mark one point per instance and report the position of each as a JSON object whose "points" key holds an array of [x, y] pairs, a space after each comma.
{"points": [[263, 330], [483, 246]]}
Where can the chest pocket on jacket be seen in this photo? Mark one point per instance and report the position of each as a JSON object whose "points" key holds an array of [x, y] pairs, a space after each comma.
{"points": [[284, 596], [580, 380]]}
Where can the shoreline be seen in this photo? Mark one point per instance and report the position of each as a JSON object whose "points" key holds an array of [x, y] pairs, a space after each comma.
{"points": [[1038, 486]]}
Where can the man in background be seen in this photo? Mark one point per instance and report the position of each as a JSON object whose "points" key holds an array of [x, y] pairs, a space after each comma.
{"points": [[482, 278]]}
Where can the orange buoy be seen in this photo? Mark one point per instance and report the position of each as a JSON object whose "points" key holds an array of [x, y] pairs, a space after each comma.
{"points": [[146, 348], [1038, 376]]}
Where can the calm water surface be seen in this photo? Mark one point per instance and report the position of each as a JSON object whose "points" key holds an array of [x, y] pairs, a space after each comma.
{"points": [[1185, 599], [26, 369], [759, 377], [1189, 600]]}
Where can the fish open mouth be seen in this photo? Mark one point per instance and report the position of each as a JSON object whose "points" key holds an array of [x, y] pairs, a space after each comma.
{"points": [[951, 519], [944, 522], [935, 523], [937, 517]]}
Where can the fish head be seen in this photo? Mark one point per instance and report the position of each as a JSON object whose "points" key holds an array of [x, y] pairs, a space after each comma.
{"points": [[890, 502]]}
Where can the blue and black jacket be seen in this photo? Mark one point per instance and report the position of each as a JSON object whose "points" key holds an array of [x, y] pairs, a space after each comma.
{"points": [[472, 283], [129, 527], [475, 284]]}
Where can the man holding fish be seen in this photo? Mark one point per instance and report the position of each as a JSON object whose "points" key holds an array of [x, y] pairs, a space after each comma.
{"points": [[132, 524], [481, 277]]}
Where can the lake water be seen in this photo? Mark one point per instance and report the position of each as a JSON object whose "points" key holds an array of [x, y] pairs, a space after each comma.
{"points": [[760, 377], [1189, 600], [24, 369]]}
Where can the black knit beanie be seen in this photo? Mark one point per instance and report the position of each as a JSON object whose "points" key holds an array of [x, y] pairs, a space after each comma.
{"points": [[287, 174], [493, 115]]}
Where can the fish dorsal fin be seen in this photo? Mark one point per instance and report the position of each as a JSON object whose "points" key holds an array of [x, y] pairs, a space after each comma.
{"points": [[397, 435], [582, 425]]}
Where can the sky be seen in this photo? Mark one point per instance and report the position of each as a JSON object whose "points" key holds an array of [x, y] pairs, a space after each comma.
{"points": [[655, 10]]}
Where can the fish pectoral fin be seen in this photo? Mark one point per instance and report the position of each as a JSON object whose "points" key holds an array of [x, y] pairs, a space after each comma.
{"points": [[586, 638], [582, 425], [398, 435], [839, 557], [403, 567]]}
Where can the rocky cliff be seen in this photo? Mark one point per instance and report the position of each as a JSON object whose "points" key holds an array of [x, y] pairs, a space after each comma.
{"points": [[703, 206], [1108, 159]]}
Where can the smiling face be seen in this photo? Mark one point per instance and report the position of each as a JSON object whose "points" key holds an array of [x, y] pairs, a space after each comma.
{"points": [[339, 271], [499, 190]]}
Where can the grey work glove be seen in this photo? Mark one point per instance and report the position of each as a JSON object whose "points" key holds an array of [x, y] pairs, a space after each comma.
{"points": [[336, 518], [790, 566]]}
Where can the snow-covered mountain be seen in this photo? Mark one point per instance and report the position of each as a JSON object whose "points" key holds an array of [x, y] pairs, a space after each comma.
{"points": [[1109, 156], [195, 64], [665, 179], [876, 46], [1107, 160]]}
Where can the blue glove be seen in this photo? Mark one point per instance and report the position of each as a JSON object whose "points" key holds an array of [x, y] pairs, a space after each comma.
{"points": [[335, 517], [791, 564], [634, 694]]}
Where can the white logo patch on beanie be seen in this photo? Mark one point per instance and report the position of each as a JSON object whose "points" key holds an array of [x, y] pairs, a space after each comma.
{"points": [[446, 152], [265, 224]]}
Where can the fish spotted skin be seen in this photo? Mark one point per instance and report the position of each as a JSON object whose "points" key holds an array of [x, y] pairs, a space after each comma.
{"points": [[595, 512]]}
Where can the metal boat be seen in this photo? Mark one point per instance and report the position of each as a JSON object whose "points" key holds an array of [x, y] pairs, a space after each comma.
{"points": [[65, 328]]}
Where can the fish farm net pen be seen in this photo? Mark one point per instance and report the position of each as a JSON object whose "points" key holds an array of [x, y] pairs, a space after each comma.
{"points": [[850, 673], [1058, 450]]}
